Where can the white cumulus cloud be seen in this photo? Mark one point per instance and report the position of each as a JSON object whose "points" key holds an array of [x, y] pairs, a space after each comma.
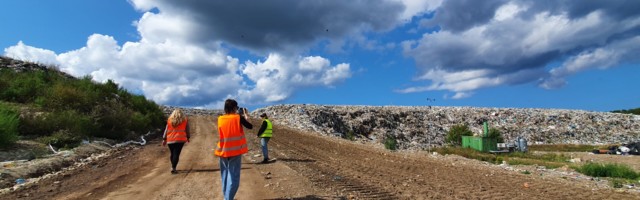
{"points": [[278, 76], [482, 44]]}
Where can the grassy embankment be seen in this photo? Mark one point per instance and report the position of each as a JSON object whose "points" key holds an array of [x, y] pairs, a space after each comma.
{"points": [[47, 106]]}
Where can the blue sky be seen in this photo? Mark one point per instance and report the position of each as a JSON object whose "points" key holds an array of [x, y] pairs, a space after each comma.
{"points": [[196, 53]]}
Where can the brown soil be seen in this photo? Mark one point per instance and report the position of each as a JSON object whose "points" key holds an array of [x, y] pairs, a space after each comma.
{"points": [[307, 167]]}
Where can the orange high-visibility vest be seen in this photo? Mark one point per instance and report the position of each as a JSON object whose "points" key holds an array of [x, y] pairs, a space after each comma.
{"points": [[232, 141], [177, 134]]}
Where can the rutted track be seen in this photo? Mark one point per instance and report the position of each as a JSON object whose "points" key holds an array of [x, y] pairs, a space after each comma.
{"points": [[368, 173]]}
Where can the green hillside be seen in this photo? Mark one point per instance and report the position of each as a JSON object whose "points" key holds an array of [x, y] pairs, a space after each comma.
{"points": [[42, 104]]}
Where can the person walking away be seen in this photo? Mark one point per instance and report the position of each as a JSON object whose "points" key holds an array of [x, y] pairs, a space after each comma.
{"points": [[265, 133], [231, 146], [176, 133]]}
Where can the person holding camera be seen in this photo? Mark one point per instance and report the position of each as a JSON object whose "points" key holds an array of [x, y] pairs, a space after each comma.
{"points": [[265, 133], [231, 146]]}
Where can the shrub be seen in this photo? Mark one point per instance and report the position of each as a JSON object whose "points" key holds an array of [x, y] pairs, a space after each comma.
{"points": [[608, 170], [22, 87], [62, 139], [150, 110], [350, 136], [9, 122], [62, 97], [112, 119], [46, 124], [495, 133], [140, 123], [390, 143], [454, 136]]}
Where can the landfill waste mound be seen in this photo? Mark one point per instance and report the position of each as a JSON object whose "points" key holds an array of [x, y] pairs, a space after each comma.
{"points": [[427, 126], [23, 66], [190, 111]]}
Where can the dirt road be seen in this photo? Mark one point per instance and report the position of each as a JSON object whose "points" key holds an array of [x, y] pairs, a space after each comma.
{"points": [[308, 167]]}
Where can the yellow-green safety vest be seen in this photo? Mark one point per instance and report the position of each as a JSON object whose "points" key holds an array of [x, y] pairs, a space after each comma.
{"points": [[268, 132]]}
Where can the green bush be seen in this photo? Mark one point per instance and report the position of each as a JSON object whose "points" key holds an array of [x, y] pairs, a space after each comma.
{"points": [[495, 133], [62, 139], [608, 170], [390, 143], [140, 123], [9, 122], [113, 120], [45, 124], [349, 136], [22, 87], [454, 136]]}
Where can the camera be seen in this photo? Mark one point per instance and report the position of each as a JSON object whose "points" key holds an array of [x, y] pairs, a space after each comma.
{"points": [[242, 110]]}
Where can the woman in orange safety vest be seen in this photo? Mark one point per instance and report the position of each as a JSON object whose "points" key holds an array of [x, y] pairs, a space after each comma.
{"points": [[176, 134], [231, 146]]}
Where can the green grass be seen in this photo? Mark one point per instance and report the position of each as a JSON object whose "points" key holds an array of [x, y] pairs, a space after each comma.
{"points": [[63, 110], [565, 147], [9, 122], [390, 143], [350, 136], [608, 170]]}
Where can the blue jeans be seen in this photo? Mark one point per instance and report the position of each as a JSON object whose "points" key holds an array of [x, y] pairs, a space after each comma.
{"points": [[230, 172], [265, 149]]}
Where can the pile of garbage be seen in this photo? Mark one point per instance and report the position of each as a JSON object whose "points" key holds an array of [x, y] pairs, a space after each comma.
{"points": [[21, 66], [624, 149], [420, 127], [191, 111]]}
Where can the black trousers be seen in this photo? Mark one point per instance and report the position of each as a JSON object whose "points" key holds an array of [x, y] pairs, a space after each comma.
{"points": [[175, 149]]}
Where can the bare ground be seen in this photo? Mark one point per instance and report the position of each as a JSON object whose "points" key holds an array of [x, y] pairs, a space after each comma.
{"points": [[308, 167]]}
